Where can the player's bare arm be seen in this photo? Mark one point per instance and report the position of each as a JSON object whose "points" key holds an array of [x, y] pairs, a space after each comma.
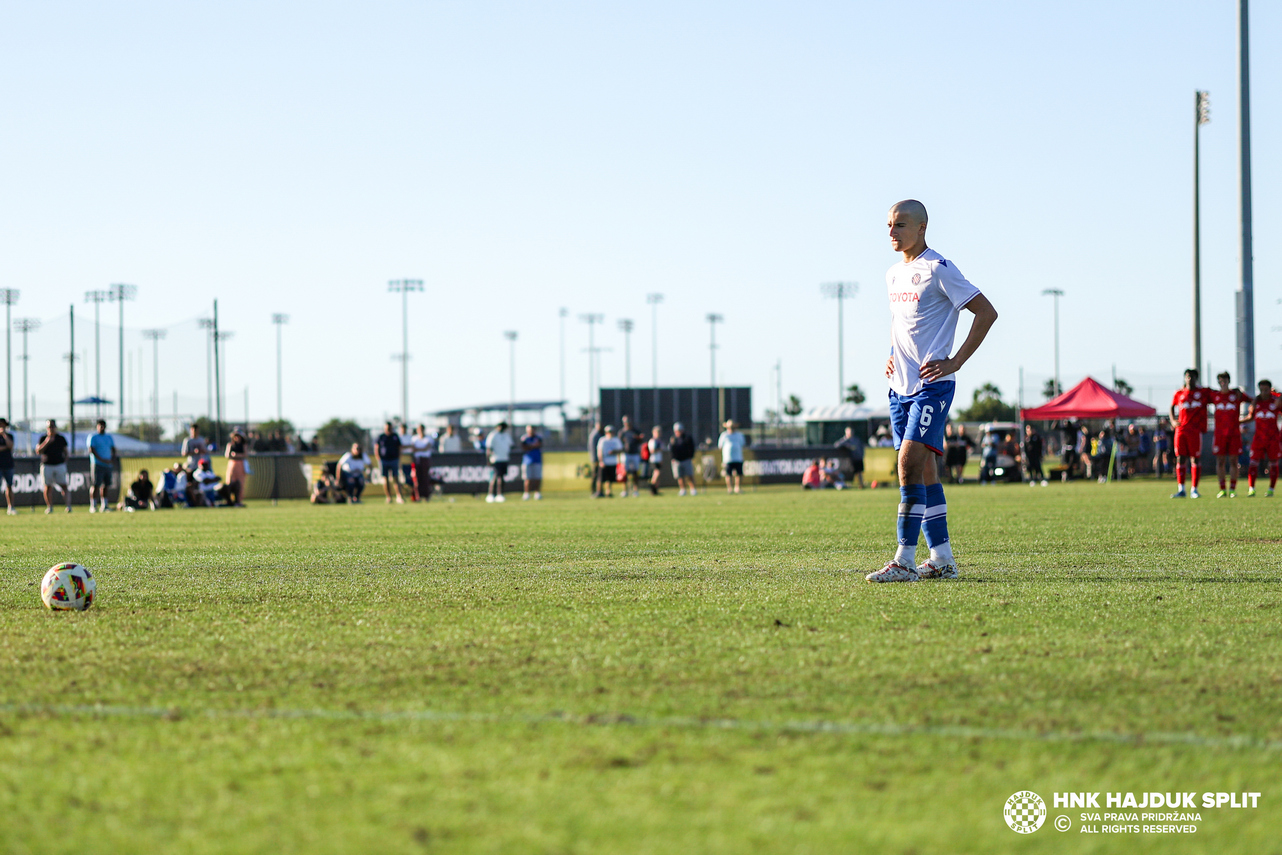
{"points": [[985, 317]]}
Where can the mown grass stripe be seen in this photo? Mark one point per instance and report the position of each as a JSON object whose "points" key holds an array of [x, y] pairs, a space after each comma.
{"points": [[624, 720]]}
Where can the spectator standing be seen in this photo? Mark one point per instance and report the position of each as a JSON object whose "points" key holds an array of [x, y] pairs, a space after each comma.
{"points": [[407, 458], [388, 449], [532, 464], [1034, 449], [351, 472], [957, 447], [6, 464], [236, 469], [195, 448], [854, 448], [609, 450], [451, 443], [682, 450], [422, 446], [102, 459], [498, 446], [631, 440], [731, 444], [52, 449], [654, 446], [594, 458]]}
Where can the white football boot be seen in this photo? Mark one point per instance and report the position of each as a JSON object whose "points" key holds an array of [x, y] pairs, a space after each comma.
{"points": [[894, 572], [929, 569]]}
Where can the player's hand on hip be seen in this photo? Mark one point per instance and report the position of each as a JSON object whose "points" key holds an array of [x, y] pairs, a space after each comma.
{"points": [[890, 367], [937, 368]]}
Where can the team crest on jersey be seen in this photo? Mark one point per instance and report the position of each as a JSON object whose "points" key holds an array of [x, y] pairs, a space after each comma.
{"points": [[916, 278]]}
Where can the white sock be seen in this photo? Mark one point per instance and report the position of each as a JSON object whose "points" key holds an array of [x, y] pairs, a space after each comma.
{"points": [[942, 554], [907, 555]]}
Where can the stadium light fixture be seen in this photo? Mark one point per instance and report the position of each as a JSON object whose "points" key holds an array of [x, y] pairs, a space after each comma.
{"points": [[1201, 116], [840, 291], [1056, 293], [97, 298], [713, 319], [24, 326], [154, 336], [562, 313], [279, 320], [627, 325], [510, 335], [404, 287], [9, 296], [119, 293], [592, 319]]}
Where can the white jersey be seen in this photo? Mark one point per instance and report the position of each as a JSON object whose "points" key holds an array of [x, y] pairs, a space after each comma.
{"points": [[926, 295]]}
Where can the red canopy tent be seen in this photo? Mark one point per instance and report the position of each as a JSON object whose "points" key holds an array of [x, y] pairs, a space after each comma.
{"points": [[1089, 400]]}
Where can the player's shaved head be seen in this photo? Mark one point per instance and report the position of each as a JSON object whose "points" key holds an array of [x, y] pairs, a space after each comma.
{"points": [[911, 208]]}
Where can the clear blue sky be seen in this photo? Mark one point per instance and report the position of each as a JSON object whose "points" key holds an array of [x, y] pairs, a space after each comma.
{"points": [[520, 157]]}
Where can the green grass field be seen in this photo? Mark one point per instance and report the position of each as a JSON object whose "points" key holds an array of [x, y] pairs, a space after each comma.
{"points": [[643, 676]]}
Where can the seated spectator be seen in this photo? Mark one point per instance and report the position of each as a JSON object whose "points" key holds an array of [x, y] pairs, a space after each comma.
{"points": [[351, 473], [812, 478], [325, 491], [141, 494], [832, 475], [167, 487], [208, 486]]}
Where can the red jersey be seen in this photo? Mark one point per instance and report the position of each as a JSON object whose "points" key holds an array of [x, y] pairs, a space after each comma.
{"points": [[1227, 410], [1266, 419], [1191, 405]]}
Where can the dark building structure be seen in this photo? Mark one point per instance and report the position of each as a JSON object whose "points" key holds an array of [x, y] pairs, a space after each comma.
{"points": [[700, 409]]}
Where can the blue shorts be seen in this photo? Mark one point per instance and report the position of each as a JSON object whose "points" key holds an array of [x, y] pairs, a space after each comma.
{"points": [[922, 417]]}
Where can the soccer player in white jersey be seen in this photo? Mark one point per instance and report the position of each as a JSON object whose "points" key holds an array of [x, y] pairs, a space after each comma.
{"points": [[927, 293]]}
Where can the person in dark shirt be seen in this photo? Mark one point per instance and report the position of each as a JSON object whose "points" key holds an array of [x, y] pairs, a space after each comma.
{"points": [[141, 494], [6, 463], [854, 448], [594, 459], [53, 465], [682, 450], [389, 458], [1034, 450]]}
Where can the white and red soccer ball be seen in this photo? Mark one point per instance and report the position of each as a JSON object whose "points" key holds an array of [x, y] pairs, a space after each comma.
{"points": [[68, 586]]}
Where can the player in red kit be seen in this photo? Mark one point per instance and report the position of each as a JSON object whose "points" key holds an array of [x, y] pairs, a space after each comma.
{"points": [[1267, 444], [1188, 417], [1227, 443]]}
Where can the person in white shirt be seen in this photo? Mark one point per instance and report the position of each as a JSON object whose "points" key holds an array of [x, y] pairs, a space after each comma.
{"points": [[731, 443], [609, 449], [351, 473], [498, 447], [927, 293], [451, 443], [422, 444]]}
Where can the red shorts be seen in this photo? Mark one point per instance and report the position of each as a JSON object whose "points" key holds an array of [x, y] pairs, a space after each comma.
{"points": [[1227, 445], [1188, 444], [1266, 447]]}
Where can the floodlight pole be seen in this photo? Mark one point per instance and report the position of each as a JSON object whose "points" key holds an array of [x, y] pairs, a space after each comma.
{"points": [[713, 319], [218, 380], [24, 326], [1246, 294], [592, 319], [627, 326], [405, 286], [155, 336], [119, 293], [1055, 293], [97, 298], [510, 335], [562, 313], [1201, 115], [279, 320], [207, 324], [840, 291], [654, 299], [9, 296]]}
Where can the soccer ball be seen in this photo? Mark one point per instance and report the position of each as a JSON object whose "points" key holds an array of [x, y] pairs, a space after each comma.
{"points": [[68, 586]]}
